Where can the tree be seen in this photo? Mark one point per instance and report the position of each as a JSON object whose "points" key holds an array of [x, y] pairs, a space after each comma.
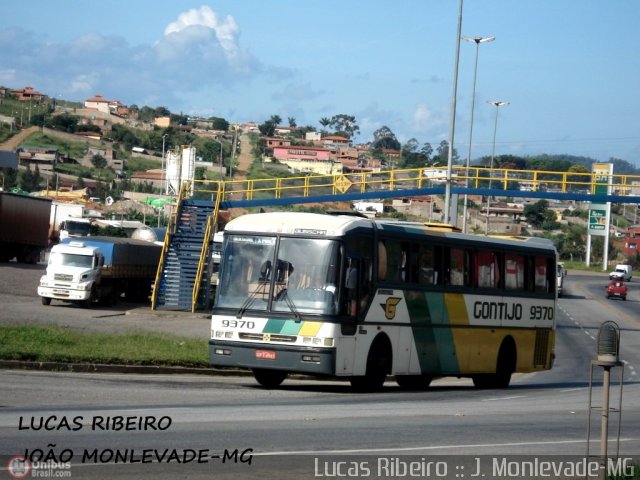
{"points": [[98, 161], [535, 213], [384, 138], [292, 122], [268, 128], [442, 154], [343, 125], [427, 151], [219, 123], [30, 181], [9, 177]]}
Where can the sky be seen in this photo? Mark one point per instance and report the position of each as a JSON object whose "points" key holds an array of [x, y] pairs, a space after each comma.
{"points": [[569, 69]]}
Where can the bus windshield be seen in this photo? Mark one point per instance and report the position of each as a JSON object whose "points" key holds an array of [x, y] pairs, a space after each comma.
{"points": [[298, 276]]}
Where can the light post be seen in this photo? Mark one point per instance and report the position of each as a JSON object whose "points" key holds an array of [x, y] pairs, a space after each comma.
{"points": [[452, 124], [163, 175], [477, 41], [497, 104], [220, 168]]}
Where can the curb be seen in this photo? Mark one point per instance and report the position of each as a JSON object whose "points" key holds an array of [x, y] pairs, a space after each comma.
{"points": [[116, 368]]}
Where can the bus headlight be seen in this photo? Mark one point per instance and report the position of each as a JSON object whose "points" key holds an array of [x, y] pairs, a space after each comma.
{"points": [[221, 334], [323, 342], [311, 358]]}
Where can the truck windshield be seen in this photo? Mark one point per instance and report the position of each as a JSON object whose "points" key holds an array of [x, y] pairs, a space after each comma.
{"points": [[71, 260], [77, 229], [301, 276]]}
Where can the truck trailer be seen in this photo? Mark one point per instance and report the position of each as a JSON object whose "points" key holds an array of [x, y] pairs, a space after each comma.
{"points": [[24, 227], [99, 269]]}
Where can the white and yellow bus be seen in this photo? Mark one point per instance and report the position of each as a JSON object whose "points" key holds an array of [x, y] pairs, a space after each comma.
{"points": [[345, 296]]}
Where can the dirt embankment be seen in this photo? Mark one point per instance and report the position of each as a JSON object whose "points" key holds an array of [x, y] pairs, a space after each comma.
{"points": [[14, 142], [244, 158]]}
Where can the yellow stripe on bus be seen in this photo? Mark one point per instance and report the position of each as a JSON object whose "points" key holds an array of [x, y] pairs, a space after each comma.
{"points": [[310, 329], [456, 309]]}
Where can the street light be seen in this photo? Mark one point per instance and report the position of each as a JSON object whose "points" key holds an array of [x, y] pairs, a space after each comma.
{"points": [[452, 124], [477, 41], [497, 104]]}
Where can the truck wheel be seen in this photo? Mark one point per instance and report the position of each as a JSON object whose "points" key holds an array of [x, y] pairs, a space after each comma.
{"points": [[46, 300], [92, 297]]}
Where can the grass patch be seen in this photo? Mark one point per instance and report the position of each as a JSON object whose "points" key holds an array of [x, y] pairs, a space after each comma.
{"points": [[58, 344]]}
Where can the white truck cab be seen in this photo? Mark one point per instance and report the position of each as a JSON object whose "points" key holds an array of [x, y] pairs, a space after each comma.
{"points": [[71, 273]]}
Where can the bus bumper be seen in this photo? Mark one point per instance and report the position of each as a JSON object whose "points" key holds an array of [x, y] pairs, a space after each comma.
{"points": [[319, 361]]}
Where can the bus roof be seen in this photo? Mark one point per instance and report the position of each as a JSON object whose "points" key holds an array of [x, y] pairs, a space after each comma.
{"points": [[319, 224]]}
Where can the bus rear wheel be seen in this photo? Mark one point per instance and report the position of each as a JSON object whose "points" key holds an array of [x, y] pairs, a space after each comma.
{"points": [[413, 382], [505, 366], [269, 378]]}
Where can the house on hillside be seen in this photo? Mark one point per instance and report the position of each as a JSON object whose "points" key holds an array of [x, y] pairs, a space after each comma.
{"points": [[307, 160], [44, 157], [101, 104], [28, 93], [632, 241]]}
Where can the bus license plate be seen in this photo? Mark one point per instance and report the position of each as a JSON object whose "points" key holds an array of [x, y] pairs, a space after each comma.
{"points": [[265, 355]]}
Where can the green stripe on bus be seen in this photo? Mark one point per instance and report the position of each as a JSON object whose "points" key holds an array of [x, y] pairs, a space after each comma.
{"points": [[273, 326], [432, 335], [291, 327]]}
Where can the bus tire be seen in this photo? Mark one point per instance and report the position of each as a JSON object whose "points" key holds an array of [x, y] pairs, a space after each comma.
{"points": [[46, 301], [378, 367], [505, 366], [413, 382], [269, 378]]}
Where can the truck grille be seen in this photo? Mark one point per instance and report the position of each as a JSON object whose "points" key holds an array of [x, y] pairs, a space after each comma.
{"points": [[63, 277]]}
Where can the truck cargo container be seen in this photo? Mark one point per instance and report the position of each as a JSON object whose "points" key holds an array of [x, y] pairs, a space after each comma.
{"points": [[99, 269], [24, 227]]}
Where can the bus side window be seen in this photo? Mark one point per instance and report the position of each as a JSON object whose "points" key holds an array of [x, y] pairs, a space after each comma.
{"points": [[541, 282]]}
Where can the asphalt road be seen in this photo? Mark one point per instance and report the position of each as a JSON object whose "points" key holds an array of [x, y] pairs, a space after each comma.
{"points": [[307, 428]]}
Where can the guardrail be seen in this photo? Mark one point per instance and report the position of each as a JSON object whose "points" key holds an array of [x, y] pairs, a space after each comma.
{"points": [[474, 180]]}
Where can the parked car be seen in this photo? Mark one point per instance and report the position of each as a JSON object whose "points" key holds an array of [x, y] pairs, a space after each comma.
{"points": [[617, 288]]}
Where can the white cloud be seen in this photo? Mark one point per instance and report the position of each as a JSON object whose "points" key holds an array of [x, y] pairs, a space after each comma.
{"points": [[426, 121], [226, 31]]}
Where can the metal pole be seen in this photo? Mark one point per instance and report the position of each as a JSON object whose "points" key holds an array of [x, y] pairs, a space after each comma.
{"points": [[452, 126], [478, 41], [163, 176], [497, 104], [604, 423]]}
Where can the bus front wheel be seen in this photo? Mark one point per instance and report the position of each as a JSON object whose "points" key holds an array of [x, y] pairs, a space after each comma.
{"points": [[269, 378], [378, 367]]}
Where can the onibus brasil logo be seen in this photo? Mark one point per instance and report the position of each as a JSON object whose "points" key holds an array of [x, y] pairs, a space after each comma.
{"points": [[19, 467]]}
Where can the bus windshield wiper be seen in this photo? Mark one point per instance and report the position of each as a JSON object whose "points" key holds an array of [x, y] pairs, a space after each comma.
{"points": [[250, 299], [285, 295]]}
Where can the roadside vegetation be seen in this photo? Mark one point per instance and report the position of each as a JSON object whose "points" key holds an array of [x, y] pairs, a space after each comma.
{"points": [[58, 344]]}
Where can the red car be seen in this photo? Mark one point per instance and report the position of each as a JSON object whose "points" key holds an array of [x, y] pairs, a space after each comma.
{"points": [[617, 288]]}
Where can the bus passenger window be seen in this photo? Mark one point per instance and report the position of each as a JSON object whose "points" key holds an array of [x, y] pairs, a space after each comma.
{"points": [[426, 272], [514, 272], [396, 253], [457, 267], [487, 270], [540, 275]]}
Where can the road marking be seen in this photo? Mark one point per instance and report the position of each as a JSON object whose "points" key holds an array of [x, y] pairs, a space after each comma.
{"points": [[493, 399], [428, 447]]}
